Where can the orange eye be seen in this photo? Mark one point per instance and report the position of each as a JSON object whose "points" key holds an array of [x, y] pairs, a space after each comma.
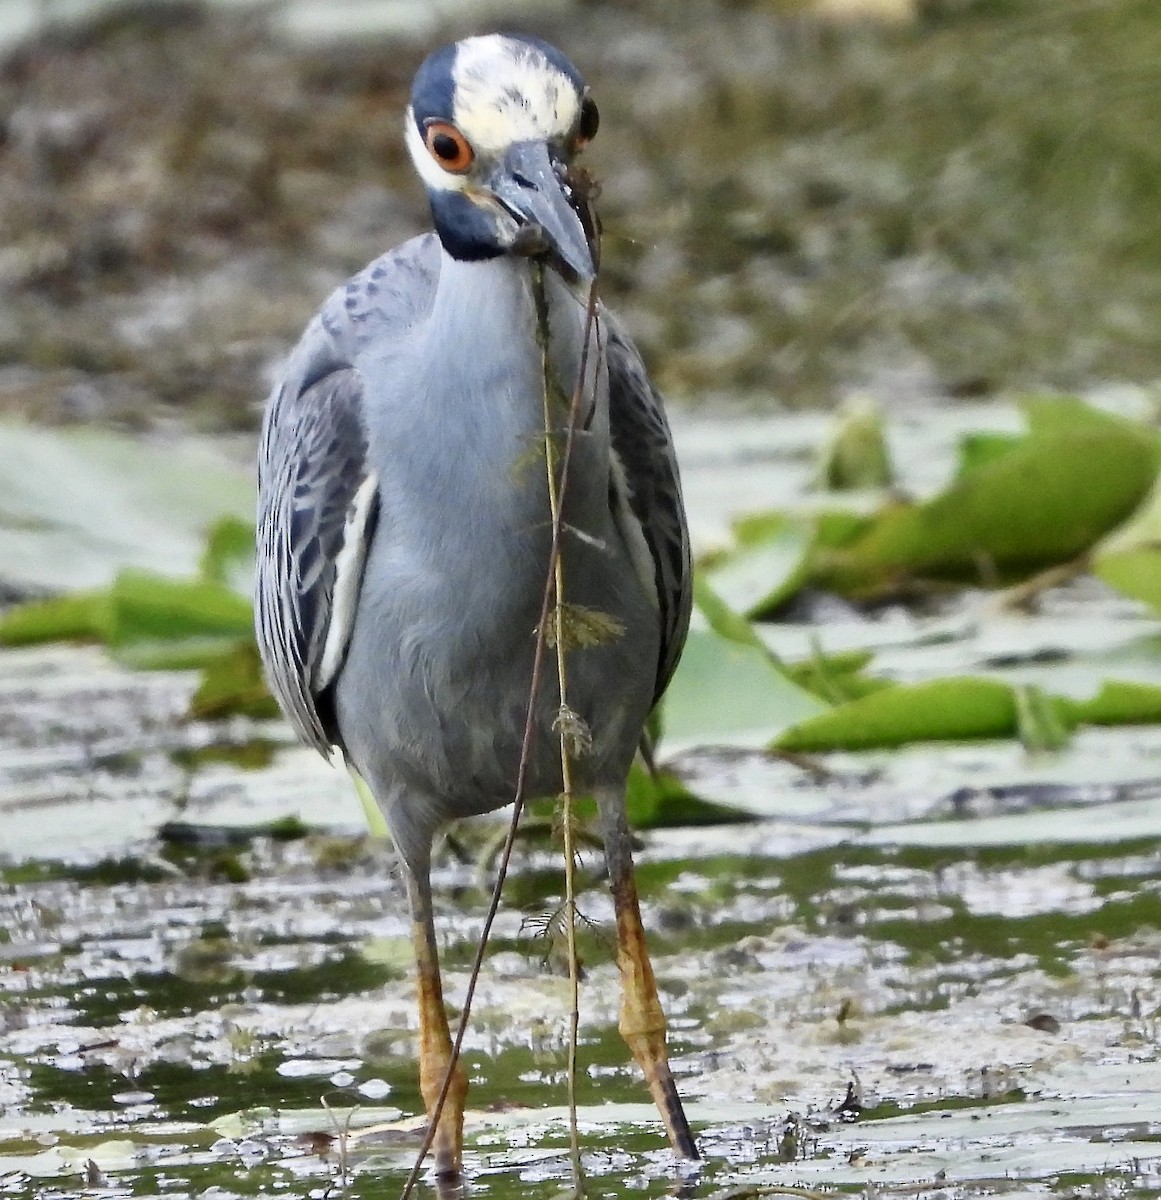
{"points": [[448, 146]]}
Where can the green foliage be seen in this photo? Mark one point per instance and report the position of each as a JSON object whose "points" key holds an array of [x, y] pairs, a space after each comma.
{"points": [[969, 707], [229, 551], [729, 689], [1118, 702], [856, 455], [140, 606], [1016, 506], [760, 576], [146, 606], [152, 622], [1129, 559], [1041, 722], [1014, 509], [75, 617], [660, 800], [836, 678], [937, 710], [233, 684]]}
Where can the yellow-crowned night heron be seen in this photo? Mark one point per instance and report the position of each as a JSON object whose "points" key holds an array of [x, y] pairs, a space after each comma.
{"points": [[403, 525]]}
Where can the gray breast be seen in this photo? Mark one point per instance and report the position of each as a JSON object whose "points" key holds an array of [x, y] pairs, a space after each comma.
{"points": [[431, 699]]}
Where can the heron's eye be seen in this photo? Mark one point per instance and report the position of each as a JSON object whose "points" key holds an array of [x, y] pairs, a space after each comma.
{"points": [[589, 122], [449, 147]]}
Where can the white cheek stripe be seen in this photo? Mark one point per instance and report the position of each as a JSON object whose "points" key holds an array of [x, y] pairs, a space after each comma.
{"points": [[348, 577]]}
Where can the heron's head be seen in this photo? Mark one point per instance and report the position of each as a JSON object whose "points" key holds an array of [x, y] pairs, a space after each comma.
{"points": [[493, 126]]}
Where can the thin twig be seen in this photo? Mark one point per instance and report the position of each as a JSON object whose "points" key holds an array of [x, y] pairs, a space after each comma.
{"points": [[565, 718], [541, 636]]}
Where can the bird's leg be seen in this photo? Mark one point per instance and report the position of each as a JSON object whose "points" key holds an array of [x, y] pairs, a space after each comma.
{"points": [[435, 1045], [642, 1022]]}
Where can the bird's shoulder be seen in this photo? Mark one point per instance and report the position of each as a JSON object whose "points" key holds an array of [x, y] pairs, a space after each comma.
{"points": [[383, 300]]}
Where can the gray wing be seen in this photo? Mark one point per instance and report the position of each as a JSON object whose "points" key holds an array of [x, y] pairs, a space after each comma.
{"points": [[318, 500], [317, 505], [642, 443]]}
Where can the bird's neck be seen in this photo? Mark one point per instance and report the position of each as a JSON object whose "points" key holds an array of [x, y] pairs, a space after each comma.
{"points": [[489, 323]]}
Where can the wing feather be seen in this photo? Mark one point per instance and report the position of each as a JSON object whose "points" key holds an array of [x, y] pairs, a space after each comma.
{"points": [[317, 507], [643, 447]]}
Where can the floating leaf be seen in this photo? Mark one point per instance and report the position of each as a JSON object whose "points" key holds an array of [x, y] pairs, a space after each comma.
{"points": [[228, 558], [1129, 559], [756, 578], [722, 619], [150, 606], [969, 707], [234, 684], [1134, 573], [173, 654], [79, 504], [1040, 720], [140, 607], [775, 556], [657, 801], [729, 688], [833, 527], [1119, 702], [937, 710], [79, 617], [1017, 510], [979, 449], [836, 678], [856, 456]]}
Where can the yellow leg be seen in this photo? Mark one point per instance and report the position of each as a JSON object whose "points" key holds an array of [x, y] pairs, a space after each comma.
{"points": [[642, 1022], [435, 1045]]}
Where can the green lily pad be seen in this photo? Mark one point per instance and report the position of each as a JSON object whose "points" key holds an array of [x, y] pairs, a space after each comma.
{"points": [[662, 800], [938, 710], [1014, 510], [1119, 702], [141, 606], [729, 689], [229, 554], [173, 654], [837, 678], [856, 454], [1135, 573], [1041, 720], [1129, 559], [79, 504], [149, 606], [969, 707], [234, 684], [979, 449], [76, 617], [755, 579]]}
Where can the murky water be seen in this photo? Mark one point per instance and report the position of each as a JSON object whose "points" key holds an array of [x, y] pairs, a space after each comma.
{"points": [[238, 1018]]}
